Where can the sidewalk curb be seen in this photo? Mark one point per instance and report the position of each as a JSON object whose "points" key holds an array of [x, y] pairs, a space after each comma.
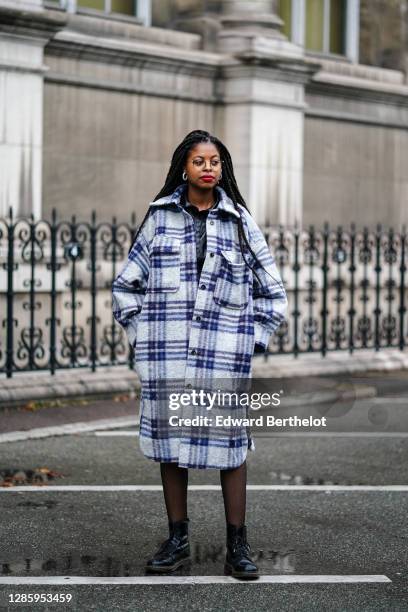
{"points": [[38, 386], [69, 429], [106, 382]]}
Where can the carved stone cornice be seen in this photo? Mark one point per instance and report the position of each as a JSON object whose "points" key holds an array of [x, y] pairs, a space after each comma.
{"points": [[34, 23], [132, 54]]}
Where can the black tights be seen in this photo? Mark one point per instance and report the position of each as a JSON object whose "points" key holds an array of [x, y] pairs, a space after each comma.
{"points": [[233, 484]]}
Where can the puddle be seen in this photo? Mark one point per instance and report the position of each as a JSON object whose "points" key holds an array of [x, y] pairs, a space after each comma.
{"points": [[211, 558], [265, 558], [297, 479], [37, 476], [30, 504]]}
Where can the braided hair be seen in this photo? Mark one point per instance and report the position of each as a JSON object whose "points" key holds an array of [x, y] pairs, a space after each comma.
{"points": [[228, 182]]}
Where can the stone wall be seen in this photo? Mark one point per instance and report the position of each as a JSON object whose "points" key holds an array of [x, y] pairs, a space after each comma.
{"points": [[113, 114], [347, 176], [119, 97], [109, 151], [355, 146]]}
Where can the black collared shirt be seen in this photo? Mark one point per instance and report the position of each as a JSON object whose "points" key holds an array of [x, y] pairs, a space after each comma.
{"points": [[200, 225]]}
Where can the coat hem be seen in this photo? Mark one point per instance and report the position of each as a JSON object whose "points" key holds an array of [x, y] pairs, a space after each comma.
{"points": [[196, 467]]}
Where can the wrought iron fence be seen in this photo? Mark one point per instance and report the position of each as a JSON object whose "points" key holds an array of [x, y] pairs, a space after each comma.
{"points": [[346, 290]]}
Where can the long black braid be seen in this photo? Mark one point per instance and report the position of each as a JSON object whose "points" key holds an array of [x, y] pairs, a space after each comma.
{"points": [[228, 182]]}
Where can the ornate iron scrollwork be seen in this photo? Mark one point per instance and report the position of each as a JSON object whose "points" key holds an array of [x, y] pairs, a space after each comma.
{"points": [[346, 290]]}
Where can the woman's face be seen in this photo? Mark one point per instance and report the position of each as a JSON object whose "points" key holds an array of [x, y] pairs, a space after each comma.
{"points": [[203, 165]]}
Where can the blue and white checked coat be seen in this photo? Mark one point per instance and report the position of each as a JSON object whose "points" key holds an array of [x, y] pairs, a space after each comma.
{"points": [[188, 328]]}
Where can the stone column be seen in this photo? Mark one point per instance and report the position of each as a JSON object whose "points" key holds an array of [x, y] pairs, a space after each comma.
{"points": [[25, 28], [262, 115], [261, 112]]}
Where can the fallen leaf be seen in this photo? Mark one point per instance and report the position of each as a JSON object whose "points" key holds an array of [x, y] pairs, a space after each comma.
{"points": [[30, 406]]}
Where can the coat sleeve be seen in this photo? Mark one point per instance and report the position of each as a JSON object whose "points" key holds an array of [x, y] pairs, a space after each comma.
{"points": [[129, 287], [269, 296]]}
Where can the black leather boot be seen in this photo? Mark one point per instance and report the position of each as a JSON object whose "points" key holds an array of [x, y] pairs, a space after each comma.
{"points": [[172, 553], [238, 562]]}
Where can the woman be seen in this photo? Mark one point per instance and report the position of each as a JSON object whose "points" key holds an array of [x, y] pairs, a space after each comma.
{"points": [[199, 294]]}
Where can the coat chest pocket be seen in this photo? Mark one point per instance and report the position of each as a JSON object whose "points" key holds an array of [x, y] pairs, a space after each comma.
{"points": [[232, 286], [164, 274]]}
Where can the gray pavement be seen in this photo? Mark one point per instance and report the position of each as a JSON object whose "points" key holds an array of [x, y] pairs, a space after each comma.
{"points": [[110, 532]]}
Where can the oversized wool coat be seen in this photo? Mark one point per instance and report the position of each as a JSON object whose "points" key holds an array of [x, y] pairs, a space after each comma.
{"points": [[186, 328]]}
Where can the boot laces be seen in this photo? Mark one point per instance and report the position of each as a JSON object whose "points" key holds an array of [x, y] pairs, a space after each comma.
{"points": [[169, 545], [240, 545]]}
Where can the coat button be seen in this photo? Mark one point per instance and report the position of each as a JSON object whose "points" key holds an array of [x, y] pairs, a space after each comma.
{"points": [[193, 352], [203, 287], [211, 222], [188, 386], [212, 254], [198, 318]]}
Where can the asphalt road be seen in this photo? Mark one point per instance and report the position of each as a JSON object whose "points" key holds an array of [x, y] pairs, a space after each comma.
{"points": [[306, 529]]}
